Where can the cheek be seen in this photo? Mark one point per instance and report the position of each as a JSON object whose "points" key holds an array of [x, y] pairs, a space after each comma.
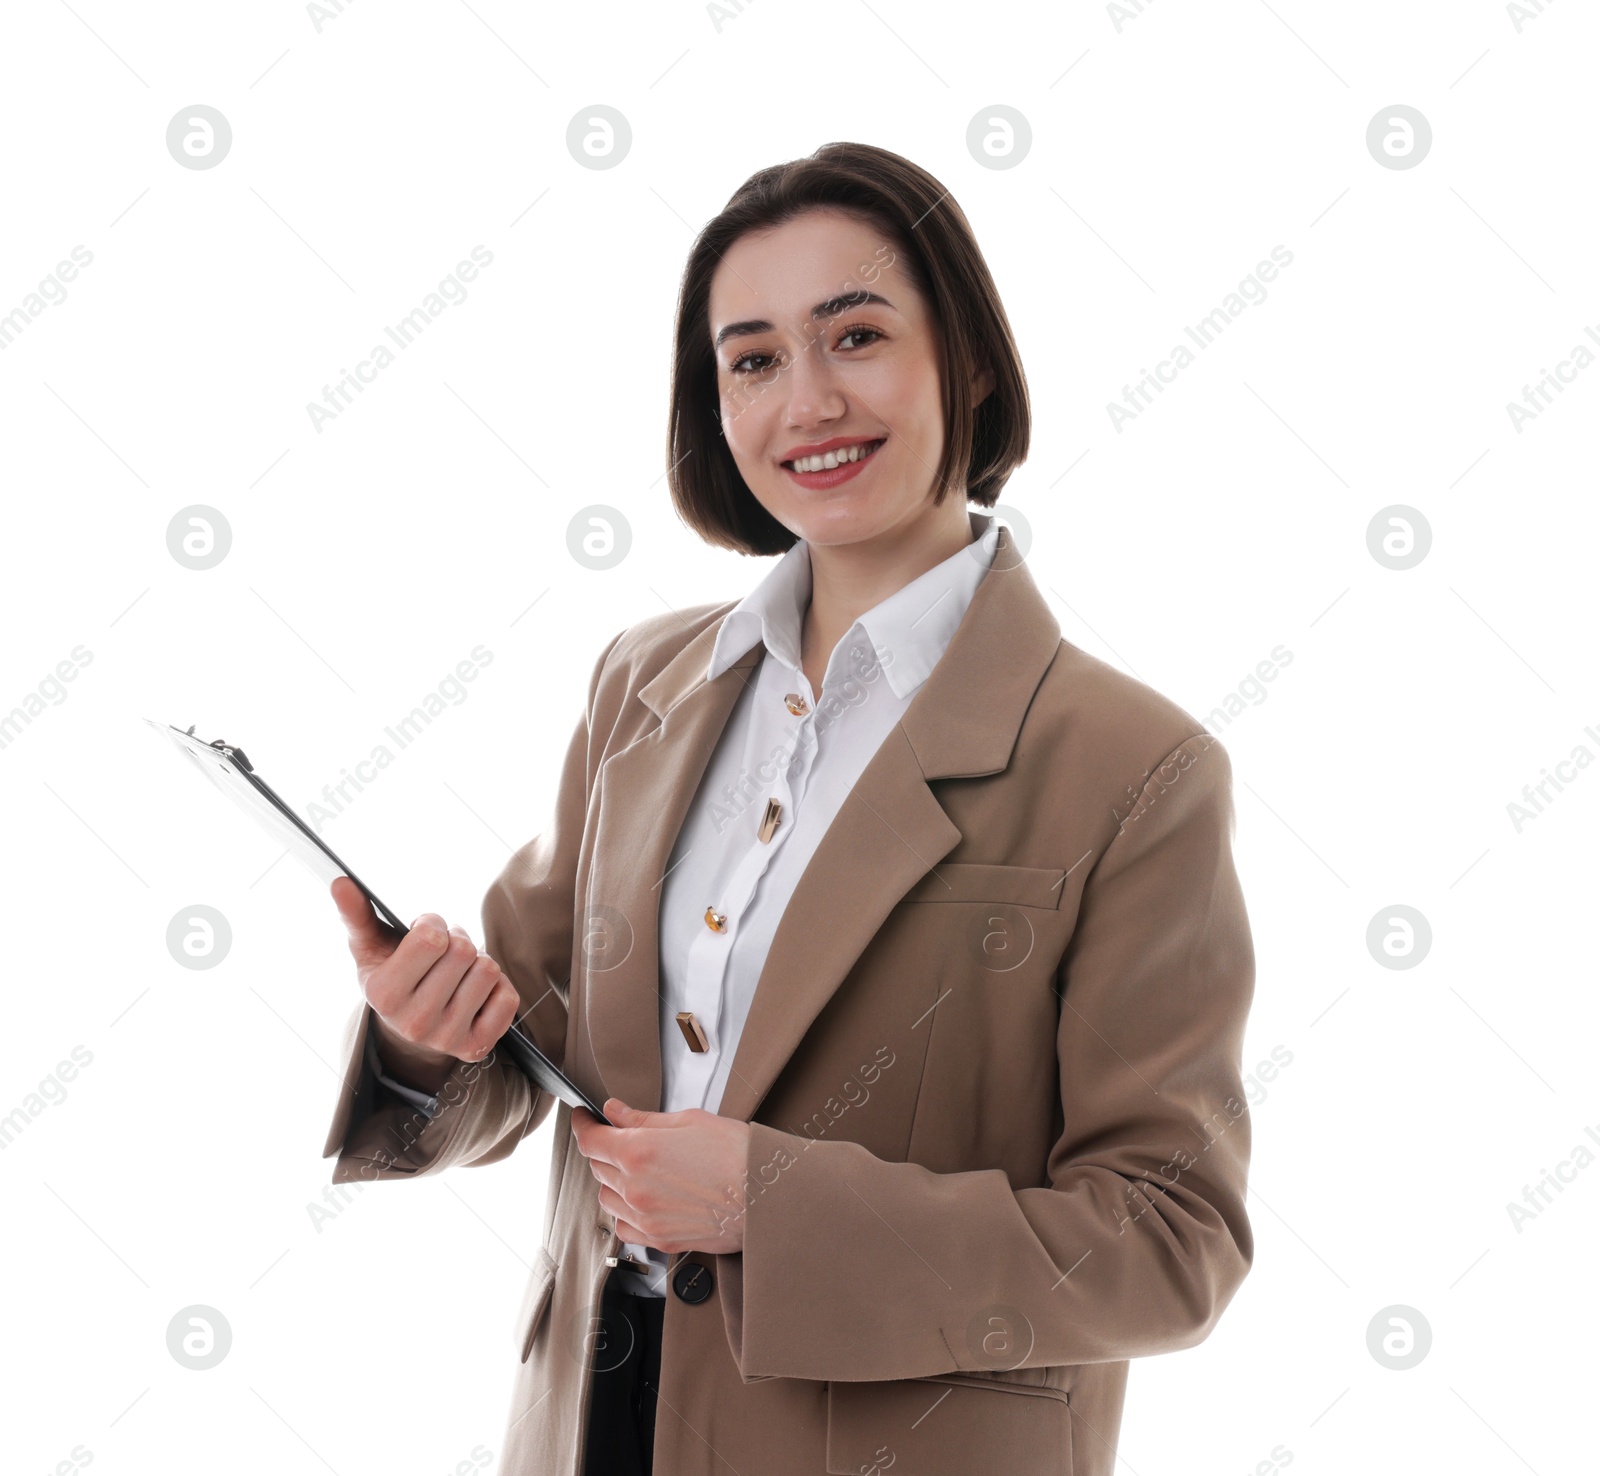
{"points": [[746, 459], [742, 421], [905, 395]]}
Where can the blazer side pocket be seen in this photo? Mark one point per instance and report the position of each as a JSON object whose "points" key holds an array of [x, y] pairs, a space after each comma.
{"points": [[535, 1300], [982, 881], [949, 1425]]}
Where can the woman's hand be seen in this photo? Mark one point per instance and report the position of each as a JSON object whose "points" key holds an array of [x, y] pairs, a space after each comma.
{"points": [[670, 1178], [438, 999]]}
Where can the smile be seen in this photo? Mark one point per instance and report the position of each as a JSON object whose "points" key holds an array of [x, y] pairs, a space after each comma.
{"points": [[832, 467]]}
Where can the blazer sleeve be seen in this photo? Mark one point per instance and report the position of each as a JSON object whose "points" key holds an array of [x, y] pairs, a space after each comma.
{"points": [[854, 1268], [485, 1108]]}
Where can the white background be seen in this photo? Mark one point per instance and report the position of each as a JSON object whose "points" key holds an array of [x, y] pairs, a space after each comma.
{"points": [[1169, 155]]}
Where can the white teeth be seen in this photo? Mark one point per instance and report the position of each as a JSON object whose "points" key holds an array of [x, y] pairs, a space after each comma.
{"points": [[830, 459]]}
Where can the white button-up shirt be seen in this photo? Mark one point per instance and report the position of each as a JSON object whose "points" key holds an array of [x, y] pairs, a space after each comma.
{"points": [[806, 761]]}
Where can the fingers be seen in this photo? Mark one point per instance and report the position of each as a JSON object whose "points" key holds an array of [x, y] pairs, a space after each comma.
{"points": [[468, 1000], [494, 1017], [608, 1176], [392, 988], [602, 1144], [449, 964], [483, 1003], [367, 942], [440, 991], [623, 1212]]}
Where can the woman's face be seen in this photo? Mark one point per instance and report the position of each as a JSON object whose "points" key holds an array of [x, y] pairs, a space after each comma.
{"points": [[822, 343]]}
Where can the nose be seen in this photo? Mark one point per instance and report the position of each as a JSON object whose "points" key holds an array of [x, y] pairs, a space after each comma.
{"points": [[812, 386]]}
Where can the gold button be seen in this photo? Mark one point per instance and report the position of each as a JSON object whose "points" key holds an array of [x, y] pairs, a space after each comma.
{"points": [[716, 921], [769, 821], [796, 704], [693, 1032]]}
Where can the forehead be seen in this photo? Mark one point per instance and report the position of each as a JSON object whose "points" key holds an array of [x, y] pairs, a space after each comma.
{"points": [[781, 272]]}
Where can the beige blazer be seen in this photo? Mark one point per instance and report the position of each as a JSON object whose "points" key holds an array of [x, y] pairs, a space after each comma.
{"points": [[992, 1066]]}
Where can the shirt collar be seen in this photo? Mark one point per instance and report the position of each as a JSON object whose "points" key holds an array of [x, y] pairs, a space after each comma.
{"points": [[909, 630]]}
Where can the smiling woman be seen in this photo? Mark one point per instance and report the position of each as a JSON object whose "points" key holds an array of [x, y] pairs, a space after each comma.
{"points": [[914, 344], [877, 813]]}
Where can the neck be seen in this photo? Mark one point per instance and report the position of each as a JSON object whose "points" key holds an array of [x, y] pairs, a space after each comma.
{"points": [[848, 579]]}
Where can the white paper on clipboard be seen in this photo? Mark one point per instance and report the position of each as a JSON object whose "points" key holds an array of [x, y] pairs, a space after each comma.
{"points": [[229, 770]]}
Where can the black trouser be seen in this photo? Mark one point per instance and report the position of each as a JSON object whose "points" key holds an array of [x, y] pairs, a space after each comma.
{"points": [[626, 1359]]}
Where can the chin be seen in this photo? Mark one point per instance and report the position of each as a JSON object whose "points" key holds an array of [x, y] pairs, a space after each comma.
{"points": [[840, 523]]}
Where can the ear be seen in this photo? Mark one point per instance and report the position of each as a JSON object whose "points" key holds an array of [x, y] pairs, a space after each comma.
{"points": [[982, 385]]}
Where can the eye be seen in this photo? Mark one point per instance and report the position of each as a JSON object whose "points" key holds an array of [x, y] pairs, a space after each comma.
{"points": [[856, 332], [744, 365]]}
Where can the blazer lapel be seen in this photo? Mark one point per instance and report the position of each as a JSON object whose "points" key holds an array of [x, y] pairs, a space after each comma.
{"points": [[891, 830], [889, 833], [645, 792]]}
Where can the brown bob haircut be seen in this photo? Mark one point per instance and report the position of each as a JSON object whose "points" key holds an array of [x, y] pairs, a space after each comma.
{"points": [[936, 252]]}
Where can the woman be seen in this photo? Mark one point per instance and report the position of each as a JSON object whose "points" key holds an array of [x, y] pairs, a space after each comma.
{"points": [[899, 938]]}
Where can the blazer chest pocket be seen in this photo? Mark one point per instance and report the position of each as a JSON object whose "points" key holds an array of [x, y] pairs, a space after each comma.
{"points": [[950, 1425], [535, 1301], [980, 881]]}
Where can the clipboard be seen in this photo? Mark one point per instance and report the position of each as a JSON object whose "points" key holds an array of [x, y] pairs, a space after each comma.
{"points": [[227, 767]]}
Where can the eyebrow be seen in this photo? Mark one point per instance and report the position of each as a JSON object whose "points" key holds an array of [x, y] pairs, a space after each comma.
{"points": [[829, 309]]}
